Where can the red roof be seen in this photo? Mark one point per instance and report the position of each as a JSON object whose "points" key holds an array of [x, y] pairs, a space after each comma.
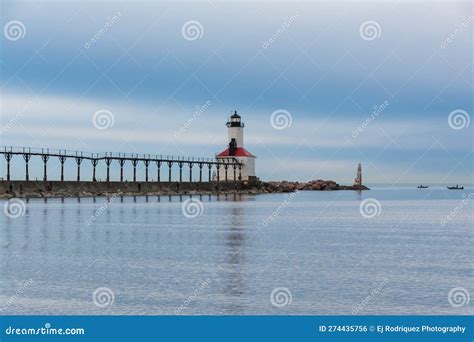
{"points": [[239, 152]]}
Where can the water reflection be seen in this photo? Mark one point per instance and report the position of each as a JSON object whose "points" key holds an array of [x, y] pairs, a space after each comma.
{"points": [[44, 229], [26, 231], [149, 249], [69, 220], [62, 221], [234, 285]]}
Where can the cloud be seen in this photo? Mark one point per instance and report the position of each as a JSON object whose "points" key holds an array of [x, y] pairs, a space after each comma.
{"points": [[311, 148], [64, 118]]}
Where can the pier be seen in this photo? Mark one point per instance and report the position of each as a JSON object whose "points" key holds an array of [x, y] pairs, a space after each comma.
{"points": [[227, 174], [45, 154]]}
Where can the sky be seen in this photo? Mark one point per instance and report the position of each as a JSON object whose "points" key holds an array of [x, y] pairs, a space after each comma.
{"points": [[320, 86]]}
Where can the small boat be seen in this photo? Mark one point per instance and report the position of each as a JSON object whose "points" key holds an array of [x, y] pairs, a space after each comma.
{"points": [[457, 187], [423, 186]]}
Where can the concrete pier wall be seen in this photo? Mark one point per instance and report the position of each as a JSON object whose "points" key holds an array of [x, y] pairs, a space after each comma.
{"points": [[74, 188]]}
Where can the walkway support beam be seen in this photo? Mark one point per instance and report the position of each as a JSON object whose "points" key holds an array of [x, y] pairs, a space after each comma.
{"points": [[27, 158], [158, 175], [45, 158], [8, 157], [78, 161], [134, 163], [226, 166], [170, 165], [200, 171], [108, 161], [209, 166], [147, 163], [180, 164], [190, 171], [121, 162], [94, 164], [62, 160]]}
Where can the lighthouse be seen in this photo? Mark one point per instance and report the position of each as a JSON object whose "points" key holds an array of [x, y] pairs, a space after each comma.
{"points": [[235, 149]]}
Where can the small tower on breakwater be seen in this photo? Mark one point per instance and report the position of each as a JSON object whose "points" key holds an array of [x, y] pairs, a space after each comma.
{"points": [[358, 179], [235, 149]]}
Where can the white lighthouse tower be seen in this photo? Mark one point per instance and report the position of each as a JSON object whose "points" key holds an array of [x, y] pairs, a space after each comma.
{"points": [[236, 151]]}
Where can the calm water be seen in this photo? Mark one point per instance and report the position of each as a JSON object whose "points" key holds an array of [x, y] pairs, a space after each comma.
{"points": [[316, 245]]}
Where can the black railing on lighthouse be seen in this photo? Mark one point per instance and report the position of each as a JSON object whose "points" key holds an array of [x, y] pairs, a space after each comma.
{"points": [[108, 157]]}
